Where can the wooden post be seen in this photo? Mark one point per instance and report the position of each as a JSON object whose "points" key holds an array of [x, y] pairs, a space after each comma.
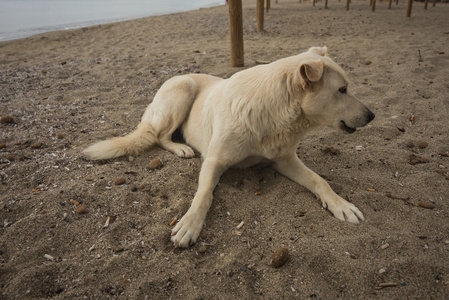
{"points": [[397, 2], [313, 2], [325, 3], [425, 4], [389, 4], [236, 32], [347, 4], [268, 5], [373, 6], [409, 8], [434, 1], [260, 15]]}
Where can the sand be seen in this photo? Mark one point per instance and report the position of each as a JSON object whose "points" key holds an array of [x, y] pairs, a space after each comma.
{"points": [[68, 89]]}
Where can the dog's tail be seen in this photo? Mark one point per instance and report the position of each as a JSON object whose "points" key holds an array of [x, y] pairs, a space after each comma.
{"points": [[137, 141]]}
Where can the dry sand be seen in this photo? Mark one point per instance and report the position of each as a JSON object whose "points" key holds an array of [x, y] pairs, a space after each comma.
{"points": [[66, 90]]}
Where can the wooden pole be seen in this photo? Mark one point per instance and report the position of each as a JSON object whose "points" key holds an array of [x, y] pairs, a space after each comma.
{"points": [[259, 15], [325, 3], [313, 2], [373, 6], [236, 32], [434, 1], [347, 4], [389, 4], [268, 5], [397, 2], [409, 8], [425, 4]]}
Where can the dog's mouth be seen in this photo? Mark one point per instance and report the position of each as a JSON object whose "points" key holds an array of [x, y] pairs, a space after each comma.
{"points": [[346, 128]]}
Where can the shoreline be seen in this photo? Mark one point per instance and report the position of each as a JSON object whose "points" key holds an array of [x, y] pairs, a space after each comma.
{"points": [[30, 32]]}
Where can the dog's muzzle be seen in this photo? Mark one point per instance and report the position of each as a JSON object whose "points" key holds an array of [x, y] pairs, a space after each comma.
{"points": [[369, 116]]}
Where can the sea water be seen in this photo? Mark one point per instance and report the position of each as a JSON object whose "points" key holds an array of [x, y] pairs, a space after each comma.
{"points": [[23, 18]]}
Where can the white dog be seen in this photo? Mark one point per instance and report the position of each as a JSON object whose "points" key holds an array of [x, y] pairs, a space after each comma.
{"points": [[258, 114]]}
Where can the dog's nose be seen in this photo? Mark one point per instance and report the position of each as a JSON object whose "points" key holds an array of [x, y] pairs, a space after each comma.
{"points": [[371, 116]]}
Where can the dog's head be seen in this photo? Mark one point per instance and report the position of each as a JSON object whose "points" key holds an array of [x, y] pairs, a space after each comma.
{"points": [[327, 98]]}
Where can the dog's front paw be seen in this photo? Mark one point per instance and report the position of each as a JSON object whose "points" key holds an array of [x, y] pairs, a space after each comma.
{"points": [[187, 230], [343, 210]]}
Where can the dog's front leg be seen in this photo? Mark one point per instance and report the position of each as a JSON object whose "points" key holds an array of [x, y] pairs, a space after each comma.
{"points": [[188, 229], [293, 168]]}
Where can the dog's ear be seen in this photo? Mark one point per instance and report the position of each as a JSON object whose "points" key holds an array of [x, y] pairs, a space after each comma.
{"points": [[310, 71], [319, 50]]}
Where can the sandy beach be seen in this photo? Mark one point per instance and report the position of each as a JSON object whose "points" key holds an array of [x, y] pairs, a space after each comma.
{"points": [[71, 228]]}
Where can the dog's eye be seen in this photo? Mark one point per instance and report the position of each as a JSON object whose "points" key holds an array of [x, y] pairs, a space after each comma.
{"points": [[342, 90]]}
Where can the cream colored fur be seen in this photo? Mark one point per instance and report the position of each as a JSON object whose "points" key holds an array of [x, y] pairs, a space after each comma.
{"points": [[258, 114]]}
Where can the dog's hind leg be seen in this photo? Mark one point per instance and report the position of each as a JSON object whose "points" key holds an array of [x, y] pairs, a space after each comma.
{"points": [[169, 109], [293, 168]]}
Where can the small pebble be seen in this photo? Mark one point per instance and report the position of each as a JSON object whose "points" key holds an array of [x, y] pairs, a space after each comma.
{"points": [[202, 249], [117, 249], [415, 159], [427, 205], [60, 136], [49, 257], [423, 145], [368, 62], [36, 145], [2, 145], [203, 234], [80, 209], [10, 157], [120, 181], [156, 164], [7, 119], [279, 258]]}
